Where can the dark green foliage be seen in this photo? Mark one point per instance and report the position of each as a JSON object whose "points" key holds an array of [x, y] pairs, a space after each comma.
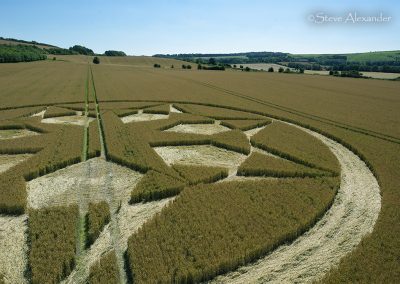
{"points": [[201, 174], [61, 51], [97, 217], [20, 53], [105, 271], [262, 165], [114, 53], [350, 73], [52, 235], [156, 65], [270, 69], [155, 186], [82, 50], [214, 67], [96, 60], [212, 229]]}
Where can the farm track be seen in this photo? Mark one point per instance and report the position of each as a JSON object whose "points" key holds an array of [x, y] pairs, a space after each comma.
{"points": [[114, 226], [351, 217]]}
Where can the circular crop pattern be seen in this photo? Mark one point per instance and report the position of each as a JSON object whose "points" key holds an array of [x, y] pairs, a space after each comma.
{"points": [[161, 192]]}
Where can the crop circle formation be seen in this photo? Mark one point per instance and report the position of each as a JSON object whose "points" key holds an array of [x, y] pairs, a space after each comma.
{"points": [[182, 192]]}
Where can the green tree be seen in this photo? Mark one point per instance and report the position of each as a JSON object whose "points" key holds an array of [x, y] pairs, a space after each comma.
{"points": [[212, 61], [271, 69], [96, 60], [280, 70]]}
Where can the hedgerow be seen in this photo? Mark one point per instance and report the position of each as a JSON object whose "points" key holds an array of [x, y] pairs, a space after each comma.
{"points": [[52, 235], [212, 229], [154, 186], [105, 270], [97, 217]]}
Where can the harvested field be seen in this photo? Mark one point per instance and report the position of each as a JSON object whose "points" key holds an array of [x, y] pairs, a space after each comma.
{"points": [[13, 248], [205, 129], [205, 155], [60, 187], [16, 133], [8, 161], [143, 117], [72, 120]]}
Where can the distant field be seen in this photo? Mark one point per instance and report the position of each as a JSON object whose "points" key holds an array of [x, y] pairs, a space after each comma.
{"points": [[263, 66], [374, 56], [376, 75], [361, 57], [381, 75], [133, 61], [2, 41]]}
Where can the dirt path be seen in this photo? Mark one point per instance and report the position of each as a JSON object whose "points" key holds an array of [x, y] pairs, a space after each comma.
{"points": [[352, 216]]}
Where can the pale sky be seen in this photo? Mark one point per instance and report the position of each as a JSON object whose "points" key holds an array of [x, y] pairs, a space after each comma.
{"points": [[204, 26]]}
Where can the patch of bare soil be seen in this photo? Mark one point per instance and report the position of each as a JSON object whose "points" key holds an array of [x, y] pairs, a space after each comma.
{"points": [[60, 187], [143, 117], [13, 248], [206, 129], [8, 161], [205, 155], [73, 119], [352, 216], [16, 133]]}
